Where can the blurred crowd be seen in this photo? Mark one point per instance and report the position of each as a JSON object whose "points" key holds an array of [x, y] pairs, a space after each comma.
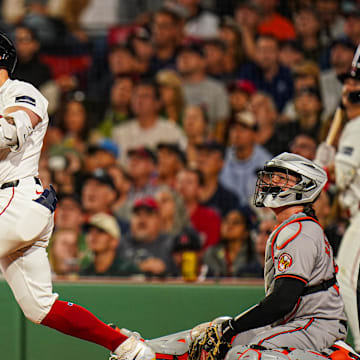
{"points": [[161, 113]]}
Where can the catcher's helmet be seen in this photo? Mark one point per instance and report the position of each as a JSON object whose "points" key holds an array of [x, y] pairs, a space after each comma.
{"points": [[310, 180], [8, 56]]}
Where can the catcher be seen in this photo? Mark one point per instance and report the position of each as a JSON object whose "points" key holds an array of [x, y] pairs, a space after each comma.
{"points": [[302, 308]]}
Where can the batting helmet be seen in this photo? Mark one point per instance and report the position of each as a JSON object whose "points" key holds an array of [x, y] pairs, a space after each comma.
{"points": [[8, 56], [310, 180], [354, 72]]}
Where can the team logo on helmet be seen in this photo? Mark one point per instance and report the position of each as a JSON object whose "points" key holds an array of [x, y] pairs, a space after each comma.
{"points": [[285, 262]]}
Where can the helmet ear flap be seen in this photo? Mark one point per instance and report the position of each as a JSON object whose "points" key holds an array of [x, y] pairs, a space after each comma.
{"points": [[8, 58]]}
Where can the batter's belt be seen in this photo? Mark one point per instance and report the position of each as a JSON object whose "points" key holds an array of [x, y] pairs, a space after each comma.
{"points": [[15, 183]]}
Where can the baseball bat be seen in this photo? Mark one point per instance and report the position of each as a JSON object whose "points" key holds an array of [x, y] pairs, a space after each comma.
{"points": [[335, 126]]}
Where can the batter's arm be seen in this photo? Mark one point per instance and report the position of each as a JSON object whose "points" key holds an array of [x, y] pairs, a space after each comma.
{"points": [[34, 118]]}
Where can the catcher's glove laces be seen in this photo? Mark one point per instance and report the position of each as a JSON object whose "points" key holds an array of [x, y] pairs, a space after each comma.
{"points": [[209, 346]]}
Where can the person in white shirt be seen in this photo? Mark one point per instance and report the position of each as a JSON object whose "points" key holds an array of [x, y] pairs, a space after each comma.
{"points": [[148, 128]]}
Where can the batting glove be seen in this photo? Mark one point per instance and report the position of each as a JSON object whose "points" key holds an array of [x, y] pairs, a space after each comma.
{"points": [[48, 199]]}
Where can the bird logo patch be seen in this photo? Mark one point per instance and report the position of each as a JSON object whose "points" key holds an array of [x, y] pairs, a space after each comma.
{"points": [[285, 262]]}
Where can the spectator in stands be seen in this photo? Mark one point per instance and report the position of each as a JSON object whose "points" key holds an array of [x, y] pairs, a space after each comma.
{"points": [[322, 206], [122, 181], [29, 67], [71, 125], [247, 16], [352, 23], [243, 158], [240, 92], [204, 219], [196, 130], [230, 34], [199, 88], [341, 55], [119, 110], [65, 165], [142, 47], [172, 96], [308, 108], [265, 228], [141, 168], [266, 116], [100, 155], [307, 27], [69, 213], [266, 72], [146, 245], [291, 53], [304, 145], [234, 256], [210, 161], [103, 238], [174, 217], [273, 22], [305, 74], [64, 252], [215, 53], [170, 160], [331, 20], [200, 23], [167, 32], [120, 62], [98, 193], [147, 128]]}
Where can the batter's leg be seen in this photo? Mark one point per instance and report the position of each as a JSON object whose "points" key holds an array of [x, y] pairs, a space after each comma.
{"points": [[28, 275], [348, 260]]}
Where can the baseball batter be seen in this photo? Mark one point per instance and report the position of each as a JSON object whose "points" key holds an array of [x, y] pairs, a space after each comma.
{"points": [[347, 172], [26, 219], [302, 307]]}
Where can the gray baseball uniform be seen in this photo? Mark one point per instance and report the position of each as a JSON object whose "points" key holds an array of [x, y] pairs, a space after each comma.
{"points": [[298, 248]]}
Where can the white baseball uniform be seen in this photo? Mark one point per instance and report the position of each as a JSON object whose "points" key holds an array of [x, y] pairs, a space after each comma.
{"points": [[347, 171], [23, 259]]}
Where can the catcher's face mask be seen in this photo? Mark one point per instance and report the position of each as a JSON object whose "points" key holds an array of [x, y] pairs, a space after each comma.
{"points": [[274, 182]]}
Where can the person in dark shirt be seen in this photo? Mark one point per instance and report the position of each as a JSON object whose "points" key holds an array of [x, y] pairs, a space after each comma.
{"points": [[234, 256], [103, 237], [213, 194], [29, 68], [267, 74], [166, 36], [146, 245]]}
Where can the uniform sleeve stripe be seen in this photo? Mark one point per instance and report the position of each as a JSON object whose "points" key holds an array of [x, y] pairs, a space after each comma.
{"points": [[292, 276]]}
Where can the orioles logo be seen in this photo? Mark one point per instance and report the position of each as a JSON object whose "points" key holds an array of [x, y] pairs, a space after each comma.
{"points": [[285, 262]]}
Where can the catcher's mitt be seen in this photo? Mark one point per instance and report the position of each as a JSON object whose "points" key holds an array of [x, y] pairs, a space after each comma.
{"points": [[209, 346]]}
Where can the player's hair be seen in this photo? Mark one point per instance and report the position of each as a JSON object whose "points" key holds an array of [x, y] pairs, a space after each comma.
{"points": [[309, 211]]}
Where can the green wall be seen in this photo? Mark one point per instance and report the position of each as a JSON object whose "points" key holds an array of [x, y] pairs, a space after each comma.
{"points": [[152, 309]]}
